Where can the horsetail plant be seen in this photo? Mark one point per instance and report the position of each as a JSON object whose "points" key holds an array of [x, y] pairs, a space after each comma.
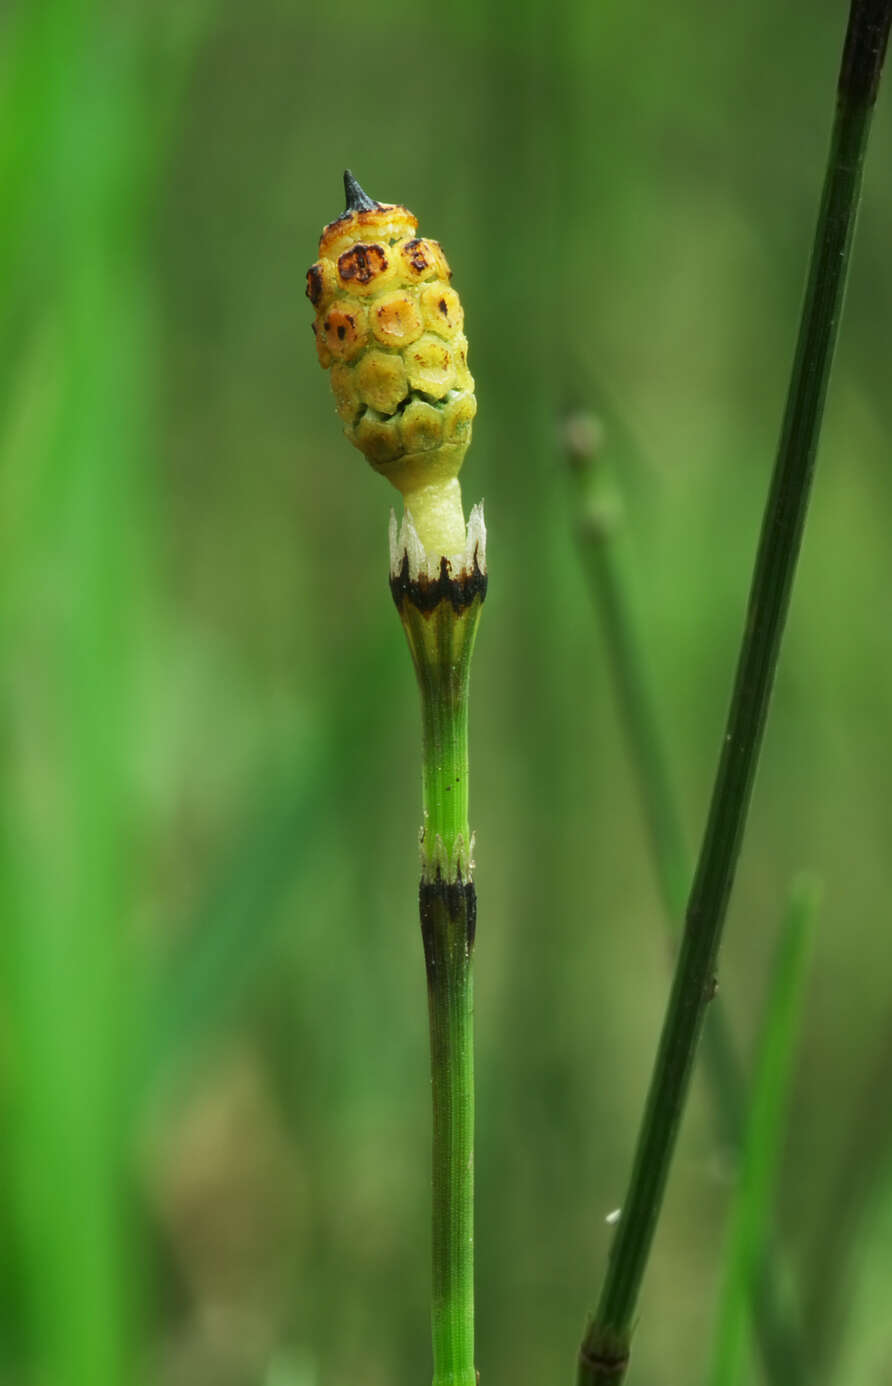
{"points": [[604, 1353], [598, 518], [389, 326]]}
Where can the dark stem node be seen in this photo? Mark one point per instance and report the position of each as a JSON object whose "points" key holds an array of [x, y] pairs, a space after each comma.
{"points": [[446, 904], [426, 593]]}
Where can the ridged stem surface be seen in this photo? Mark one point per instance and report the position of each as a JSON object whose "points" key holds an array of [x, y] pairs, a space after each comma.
{"points": [[604, 1352], [598, 505], [440, 622]]}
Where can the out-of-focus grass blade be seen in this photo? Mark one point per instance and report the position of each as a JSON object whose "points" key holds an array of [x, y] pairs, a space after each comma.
{"points": [[37, 39], [863, 1354], [226, 945], [764, 1134], [68, 815], [74, 327], [862, 1185]]}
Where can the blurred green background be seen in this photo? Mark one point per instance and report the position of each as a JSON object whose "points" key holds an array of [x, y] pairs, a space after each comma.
{"points": [[213, 1049]]}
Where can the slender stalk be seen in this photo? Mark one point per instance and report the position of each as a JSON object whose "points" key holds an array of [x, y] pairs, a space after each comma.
{"points": [[599, 514], [604, 1352], [765, 1127], [440, 618], [448, 913], [598, 519]]}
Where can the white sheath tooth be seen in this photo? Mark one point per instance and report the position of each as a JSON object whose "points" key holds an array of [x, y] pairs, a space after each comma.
{"points": [[405, 543]]}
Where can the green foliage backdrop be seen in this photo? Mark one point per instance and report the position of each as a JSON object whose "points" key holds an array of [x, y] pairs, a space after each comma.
{"points": [[213, 1064]]}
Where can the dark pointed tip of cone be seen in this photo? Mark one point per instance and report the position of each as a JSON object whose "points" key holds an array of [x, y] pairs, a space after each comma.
{"points": [[357, 200]]}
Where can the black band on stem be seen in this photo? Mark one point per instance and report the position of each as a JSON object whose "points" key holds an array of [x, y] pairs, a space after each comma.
{"points": [[443, 903], [425, 593]]}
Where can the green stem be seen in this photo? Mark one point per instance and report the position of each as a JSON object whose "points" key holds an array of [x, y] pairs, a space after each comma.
{"points": [[598, 506], [599, 512], [440, 619], [443, 681], [447, 923], [604, 1353], [763, 1138]]}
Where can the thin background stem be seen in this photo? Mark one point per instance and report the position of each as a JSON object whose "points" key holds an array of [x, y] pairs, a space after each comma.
{"points": [[604, 1352], [766, 1125], [598, 520]]}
